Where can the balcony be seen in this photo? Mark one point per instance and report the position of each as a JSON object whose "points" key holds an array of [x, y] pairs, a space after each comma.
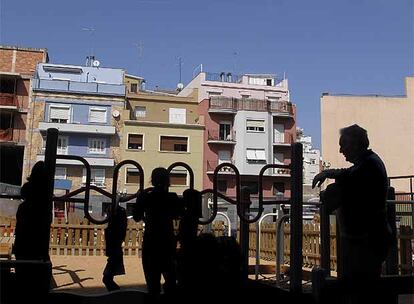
{"points": [[6, 135], [78, 87], [282, 140], [8, 101], [93, 161], [222, 104], [214, 137], [212, 164], [281, 172], [78, 128]]}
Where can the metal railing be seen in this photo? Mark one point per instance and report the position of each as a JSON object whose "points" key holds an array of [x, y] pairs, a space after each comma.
{"points": [[250, 104], [78, 87], [216, 135]]}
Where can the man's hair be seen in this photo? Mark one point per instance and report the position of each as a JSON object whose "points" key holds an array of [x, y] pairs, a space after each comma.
{"points": [[357, 135], [160, 177]]}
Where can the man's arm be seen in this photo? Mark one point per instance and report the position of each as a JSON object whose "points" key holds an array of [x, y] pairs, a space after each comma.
{"points": [[338, 174]]}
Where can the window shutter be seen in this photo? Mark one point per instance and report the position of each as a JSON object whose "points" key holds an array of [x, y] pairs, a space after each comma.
{"points": [[97, 115], [251, 155], [59, 113], [177, 115], [260, 155]]}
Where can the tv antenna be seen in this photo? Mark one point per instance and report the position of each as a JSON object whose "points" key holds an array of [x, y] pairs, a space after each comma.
{"points": [[140, 50], [180, 84], [91, 57]]}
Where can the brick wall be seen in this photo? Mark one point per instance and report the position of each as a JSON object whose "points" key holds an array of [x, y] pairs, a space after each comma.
{"points": [[20, 60]]}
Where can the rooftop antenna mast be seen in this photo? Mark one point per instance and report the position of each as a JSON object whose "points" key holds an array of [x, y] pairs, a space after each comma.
{"points": [[91, 57], [180, 85], [140, 51]]}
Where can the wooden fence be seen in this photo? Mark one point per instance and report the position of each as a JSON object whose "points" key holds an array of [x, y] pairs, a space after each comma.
{"points": [[79, 237]]}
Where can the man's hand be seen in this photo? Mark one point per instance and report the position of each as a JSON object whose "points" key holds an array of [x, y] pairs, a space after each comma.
{"points": [[320, 178]]}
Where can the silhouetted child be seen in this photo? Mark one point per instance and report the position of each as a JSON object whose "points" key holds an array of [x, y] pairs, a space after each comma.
{"points": [[158, 209], [114, 236]]}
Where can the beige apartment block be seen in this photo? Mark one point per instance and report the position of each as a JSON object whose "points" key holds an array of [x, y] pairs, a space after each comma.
{"points": [[162, 129], [389, 121]]}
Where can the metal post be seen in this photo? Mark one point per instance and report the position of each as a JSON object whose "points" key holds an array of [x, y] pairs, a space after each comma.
{"points": [[325, 238], [296, 214], [50, 164], [412, 198], [244, 233], [392, 258]]}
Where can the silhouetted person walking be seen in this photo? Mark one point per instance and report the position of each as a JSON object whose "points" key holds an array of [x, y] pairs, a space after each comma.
{"points": [[33, 218], [114, 237], [359, 195], [158, 208]]}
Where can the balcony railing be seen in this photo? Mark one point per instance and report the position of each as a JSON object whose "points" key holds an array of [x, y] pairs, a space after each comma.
{"points": [[78, 87], [6, 135], [250, 104], [282, 139], [8, 100], [224, 77], [214, 135], [212, 164]]}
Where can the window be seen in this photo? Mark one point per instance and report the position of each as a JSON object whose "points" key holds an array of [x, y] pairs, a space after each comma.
{"points": [[62, 145], [279, 133], [253, 186], [278, 158], [173, 143], [256, 155], [279, 189], [135, 141], [132, 176], [97, 115], [140, 111], [224, 131], [255, 125], [222, 186], [59, 114], [178, 177], [211, 94], [134, 87], [177, 115], [96, 146], [60, 173], [7, 85], [97, 177]]}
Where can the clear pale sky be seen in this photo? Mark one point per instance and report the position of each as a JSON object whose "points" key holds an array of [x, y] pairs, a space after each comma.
{"points": [[336, 46]]}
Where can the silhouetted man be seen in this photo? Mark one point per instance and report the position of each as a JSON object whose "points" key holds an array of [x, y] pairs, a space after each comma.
{"points": [[158, 208], [359, 195], [33, 218]]}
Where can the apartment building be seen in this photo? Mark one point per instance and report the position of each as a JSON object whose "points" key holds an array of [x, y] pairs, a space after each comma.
{"points": [[86, 105], [17, 66], [160, 129], [250, 122]]}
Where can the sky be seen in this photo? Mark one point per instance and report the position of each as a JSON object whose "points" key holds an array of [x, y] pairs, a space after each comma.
{"points": [[335, 46]]}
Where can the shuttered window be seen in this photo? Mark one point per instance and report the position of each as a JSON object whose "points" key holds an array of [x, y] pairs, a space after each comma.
{"points": [[97, 177], [140, 111], [177, 115], [59, 114], [60, 173], [256, 155], [132, 176], [96, 146], [255, 125], [97, 115], [174, 143], [135, 141], [178, 178]]}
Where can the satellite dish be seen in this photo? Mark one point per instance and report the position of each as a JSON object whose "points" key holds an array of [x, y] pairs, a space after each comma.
{"points": [[115, 114], [96, 63]]}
